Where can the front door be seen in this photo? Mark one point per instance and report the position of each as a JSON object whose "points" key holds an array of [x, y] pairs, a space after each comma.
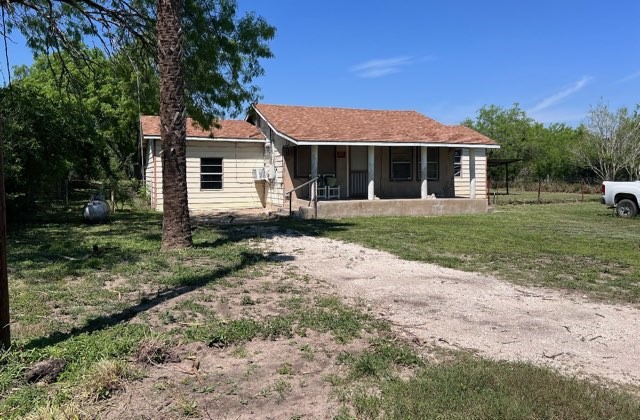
{"points": [[358, 171]]}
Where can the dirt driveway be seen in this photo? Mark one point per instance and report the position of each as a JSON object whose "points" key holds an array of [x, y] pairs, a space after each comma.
{"points": [[471, 311]]}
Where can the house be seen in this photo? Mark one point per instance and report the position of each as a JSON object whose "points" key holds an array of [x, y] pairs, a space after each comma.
{"points": [[354, 161], [219, 165]]}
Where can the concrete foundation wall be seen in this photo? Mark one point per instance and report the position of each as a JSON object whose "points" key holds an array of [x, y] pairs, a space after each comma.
{"points": [[400, 207]]}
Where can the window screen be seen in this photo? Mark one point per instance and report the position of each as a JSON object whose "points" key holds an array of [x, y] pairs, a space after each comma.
{"points": [[210, 173], [401, 158], [433, 163]]}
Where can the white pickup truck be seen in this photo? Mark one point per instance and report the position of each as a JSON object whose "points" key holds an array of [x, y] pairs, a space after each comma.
{"points": [[624, 196]]}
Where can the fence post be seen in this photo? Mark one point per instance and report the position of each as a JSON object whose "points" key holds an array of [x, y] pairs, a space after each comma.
{"points": [[539, 189]]}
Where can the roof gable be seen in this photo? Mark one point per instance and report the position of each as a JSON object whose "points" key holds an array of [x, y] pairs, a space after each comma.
{"points": [[322, 124], [227, 129]]}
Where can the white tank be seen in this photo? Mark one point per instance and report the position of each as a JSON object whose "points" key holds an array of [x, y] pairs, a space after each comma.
{"points": [[96, 210]]}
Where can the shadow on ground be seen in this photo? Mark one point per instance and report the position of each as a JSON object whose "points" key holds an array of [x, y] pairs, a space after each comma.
{"points": [[39, 242]]}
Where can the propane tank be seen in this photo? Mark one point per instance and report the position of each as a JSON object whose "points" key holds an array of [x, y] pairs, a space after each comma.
{"points": [[96, 210]]}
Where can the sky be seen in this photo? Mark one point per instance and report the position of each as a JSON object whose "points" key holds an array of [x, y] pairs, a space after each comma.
{"points": [[447, 59]]}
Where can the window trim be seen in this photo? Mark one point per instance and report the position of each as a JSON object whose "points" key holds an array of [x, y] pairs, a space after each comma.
{"points": [[221, 173], [435, 162], [457, 155], [391, 163]]}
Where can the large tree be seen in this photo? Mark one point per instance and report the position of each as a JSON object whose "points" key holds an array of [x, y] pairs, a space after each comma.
{"points": [[45, 142], [544, 151], [176, 231], [611, 143], [108, 93], [222, 53]]}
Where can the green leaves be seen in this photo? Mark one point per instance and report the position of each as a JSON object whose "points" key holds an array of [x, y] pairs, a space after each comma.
{"points": [[222, 58], [545, 151]]}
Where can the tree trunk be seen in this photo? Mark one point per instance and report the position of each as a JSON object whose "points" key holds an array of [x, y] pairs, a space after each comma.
{"points": [[5, 332], [176, 226]]}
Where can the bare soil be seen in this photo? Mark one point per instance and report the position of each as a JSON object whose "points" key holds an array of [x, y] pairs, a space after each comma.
{"points": [[432, 306], [476, 312], [262, 379]]}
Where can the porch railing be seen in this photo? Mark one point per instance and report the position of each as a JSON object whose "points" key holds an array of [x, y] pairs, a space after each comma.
{"points": [[314, 195]]}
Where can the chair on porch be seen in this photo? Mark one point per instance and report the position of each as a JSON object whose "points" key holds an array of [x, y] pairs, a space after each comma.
{"points": [[321, 188], [333, 190]]}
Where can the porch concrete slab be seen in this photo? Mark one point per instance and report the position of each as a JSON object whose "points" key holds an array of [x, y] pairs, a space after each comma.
{"points": [[395, 207]]}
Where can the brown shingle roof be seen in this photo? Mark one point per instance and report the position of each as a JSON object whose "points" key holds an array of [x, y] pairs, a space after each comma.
{"points": [[466, 134], [228, 129], [321, 124]]}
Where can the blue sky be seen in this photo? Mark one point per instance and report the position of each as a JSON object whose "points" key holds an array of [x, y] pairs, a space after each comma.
{"points": [[447, 59]]}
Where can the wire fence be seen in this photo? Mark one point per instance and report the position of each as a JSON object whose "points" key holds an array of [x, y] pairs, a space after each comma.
{"points": [[543, 191], [75, 193]]}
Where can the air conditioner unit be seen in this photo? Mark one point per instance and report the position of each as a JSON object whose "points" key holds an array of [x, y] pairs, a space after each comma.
{"points": [[258, 174]]}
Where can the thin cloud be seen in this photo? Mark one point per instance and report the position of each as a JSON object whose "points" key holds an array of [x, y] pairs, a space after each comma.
{"points": [[630, 77], [568, 116], [559, 96], [372, 69]]}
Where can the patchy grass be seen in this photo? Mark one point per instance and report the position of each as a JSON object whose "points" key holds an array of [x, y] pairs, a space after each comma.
{"points": [[71, 302], [475, 388], [579, 246], [221, 325]]}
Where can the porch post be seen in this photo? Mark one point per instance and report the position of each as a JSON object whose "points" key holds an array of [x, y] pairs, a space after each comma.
{"points": [[424, 191], [314, 169], [371, 172], [472, 173]]}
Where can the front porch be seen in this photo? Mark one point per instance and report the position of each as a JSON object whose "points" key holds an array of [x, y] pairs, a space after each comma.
{"points": [[384, 172], [333, 209]]}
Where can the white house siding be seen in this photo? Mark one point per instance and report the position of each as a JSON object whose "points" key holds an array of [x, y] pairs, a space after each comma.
{"points": [[239, 190], [462, 182], [150, 157], [275, 188]]}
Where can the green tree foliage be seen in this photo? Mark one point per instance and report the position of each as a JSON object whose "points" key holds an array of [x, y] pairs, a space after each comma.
{"points": [[222, 50], [218, 60], [222, 58], [106, 90], [44, 143], [545, 152]]}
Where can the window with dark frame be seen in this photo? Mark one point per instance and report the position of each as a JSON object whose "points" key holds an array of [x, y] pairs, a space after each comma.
{"points": [[326, 161], [302, 161], [210, 173], [433, 164], [457, 162], [400, 163]]}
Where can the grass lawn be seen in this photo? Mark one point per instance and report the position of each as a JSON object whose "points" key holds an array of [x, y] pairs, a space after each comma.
{"points": [[576, 246], [268, 339]]}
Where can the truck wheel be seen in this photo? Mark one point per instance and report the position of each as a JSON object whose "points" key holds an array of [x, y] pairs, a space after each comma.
{"points": [[626, 208]]}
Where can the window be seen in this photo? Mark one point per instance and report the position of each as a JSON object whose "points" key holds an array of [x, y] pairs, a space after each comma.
{"points": [[457, 162], [401, 158], [210, 173], [326, 161], [433, 164], [303, 161]]}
